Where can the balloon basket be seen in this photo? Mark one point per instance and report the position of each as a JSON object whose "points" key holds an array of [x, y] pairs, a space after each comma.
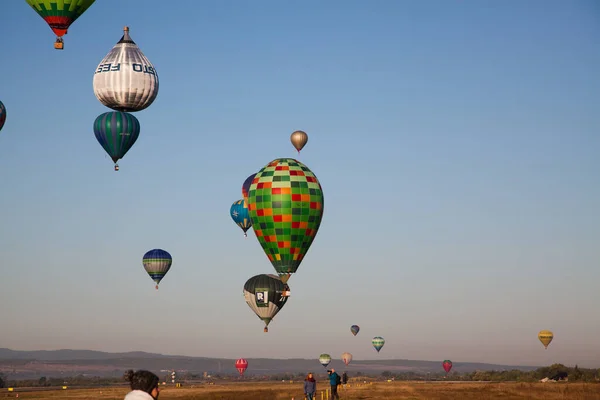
{"points": [[156, 287], [116, 167], [59, 45], [266, 330]]}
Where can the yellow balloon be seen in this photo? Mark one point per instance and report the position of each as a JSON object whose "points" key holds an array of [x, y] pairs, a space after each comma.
{"points": [[545, 337]]}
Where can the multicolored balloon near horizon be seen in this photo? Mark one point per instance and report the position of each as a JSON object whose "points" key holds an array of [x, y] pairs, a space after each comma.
{"points": [[157, 263], [447, 365], [239, 214], [241, 364], [2, 115], [59, 15], [266, 295], [325, 359], [286, 203], [378, 342], [299, 140], [116, 132], [354, 329], [246, 186], [346, 358], [125, 80], [545, 337]]}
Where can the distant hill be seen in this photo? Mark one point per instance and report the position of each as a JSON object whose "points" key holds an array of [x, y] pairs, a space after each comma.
{"points": [[17, 364]]}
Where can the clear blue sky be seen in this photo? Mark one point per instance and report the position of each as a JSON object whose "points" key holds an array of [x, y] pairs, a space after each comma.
{"points": [[457, 143]]}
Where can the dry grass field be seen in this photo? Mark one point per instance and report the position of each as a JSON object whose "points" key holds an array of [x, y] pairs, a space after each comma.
{"points": [[378, 390]]}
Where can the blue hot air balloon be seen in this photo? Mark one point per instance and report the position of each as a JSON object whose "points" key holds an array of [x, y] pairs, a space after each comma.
{"points": [[157, 263], [354, 329], [116, 132], [239, 214]]}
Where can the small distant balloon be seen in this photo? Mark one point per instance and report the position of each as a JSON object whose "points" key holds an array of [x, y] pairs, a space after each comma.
{"points": [[545, 337], [447, 365], [299, 140], [325, 359], [157, 263], [346, 358], [354, 329], [241, 364], [239, 214], [378, 342]]}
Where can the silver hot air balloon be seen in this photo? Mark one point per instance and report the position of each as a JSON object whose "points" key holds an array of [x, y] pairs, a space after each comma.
{"points": [[125, 79]]}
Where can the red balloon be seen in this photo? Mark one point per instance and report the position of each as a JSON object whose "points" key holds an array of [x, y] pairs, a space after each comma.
{"points": [[241, 365], [447, 364]]}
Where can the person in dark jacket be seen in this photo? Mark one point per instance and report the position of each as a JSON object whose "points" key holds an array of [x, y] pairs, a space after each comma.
{"points": [[310, 387], [344, 378], [334, 381]]}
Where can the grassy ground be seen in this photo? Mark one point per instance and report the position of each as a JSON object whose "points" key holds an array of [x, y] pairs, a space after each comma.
{"points": [[379, 390]]}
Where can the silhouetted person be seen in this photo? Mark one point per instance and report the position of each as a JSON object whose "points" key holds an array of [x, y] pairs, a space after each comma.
{"points": [[144, 385], [344, 378]]}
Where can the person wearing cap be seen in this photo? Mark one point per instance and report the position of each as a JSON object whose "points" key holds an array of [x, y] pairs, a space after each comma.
{"points": [[310, 387], [144, 385]]}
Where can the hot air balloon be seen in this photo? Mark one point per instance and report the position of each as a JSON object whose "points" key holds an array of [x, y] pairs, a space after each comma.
{"points": [[2, 115], [239, 214], [545, 337], [447, 364], [157, 263], [125, 80], [346, 358], [241, 365], [266, 295], [246, 186], [325, 359], [354, 329], [285, 201], [378, 343], [116, 132], [299, 140], [59, 15]]}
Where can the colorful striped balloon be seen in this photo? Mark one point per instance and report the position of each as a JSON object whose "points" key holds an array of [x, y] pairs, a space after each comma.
{"points": [[378, 343], [60, 14], [239, 214], [241, 364], [116, 132], [325, 359], [157, 263], [246, 186]]}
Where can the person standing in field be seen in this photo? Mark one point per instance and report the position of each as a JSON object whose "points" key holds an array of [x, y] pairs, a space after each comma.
{"points": [[144, 385], [344, 378], [310, 387], [334, 381]]}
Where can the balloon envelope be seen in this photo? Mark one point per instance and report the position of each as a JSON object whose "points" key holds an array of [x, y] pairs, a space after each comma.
{"points": [[299, 140], [239, 214], [447, 365], [125, 80], [378, 342], [286, 207], [157, 263], [346, 358], [60, 14], [2, 115], [246, 186], [241, 364], [265, 295], [325, 359], [545, 337], [354, 329], [116, 132]]}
